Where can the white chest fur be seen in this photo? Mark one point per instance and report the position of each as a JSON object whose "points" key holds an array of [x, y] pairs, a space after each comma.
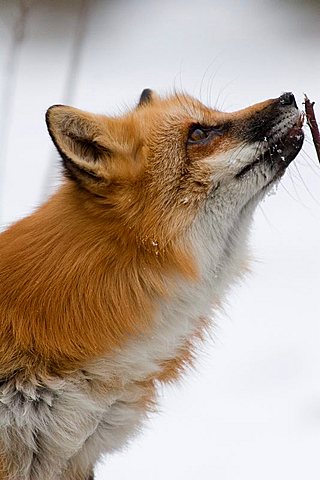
{"points": [[221, 259]]}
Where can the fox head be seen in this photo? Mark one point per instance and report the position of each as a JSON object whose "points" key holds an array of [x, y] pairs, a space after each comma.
{"points": [[170, 160]]}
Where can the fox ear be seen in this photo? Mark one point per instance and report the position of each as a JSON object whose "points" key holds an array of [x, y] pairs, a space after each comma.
{"points": [[78, 137], [147, 97]]}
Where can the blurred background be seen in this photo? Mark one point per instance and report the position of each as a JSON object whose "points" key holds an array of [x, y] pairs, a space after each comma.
{"points": [[252, 409]]}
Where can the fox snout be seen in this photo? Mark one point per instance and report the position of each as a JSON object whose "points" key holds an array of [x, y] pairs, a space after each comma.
{"points": [[287, 98], [272, 130], [269, 120]]}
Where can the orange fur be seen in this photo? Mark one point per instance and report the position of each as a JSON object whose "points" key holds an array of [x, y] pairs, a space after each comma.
{"points": [[79, 277], [72, 286]]}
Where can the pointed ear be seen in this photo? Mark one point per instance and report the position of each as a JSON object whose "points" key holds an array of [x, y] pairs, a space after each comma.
{"points": [[147, 97], [78, 137]]}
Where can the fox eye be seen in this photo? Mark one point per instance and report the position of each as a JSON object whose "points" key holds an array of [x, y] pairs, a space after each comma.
{"points": [[199, 134]]}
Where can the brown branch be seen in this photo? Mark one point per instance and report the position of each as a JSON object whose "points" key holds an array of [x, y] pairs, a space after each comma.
{"points": [[312, 122]]}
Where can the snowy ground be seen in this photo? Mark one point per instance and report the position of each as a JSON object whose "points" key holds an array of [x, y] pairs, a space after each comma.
{"points": [[252, 410]]}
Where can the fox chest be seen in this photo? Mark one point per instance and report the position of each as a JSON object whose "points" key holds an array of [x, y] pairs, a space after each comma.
{"points": [[177, 322]]}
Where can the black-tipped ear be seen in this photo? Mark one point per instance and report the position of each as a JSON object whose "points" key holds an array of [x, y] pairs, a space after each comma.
{"points": [[145, 97], [77, 136]]}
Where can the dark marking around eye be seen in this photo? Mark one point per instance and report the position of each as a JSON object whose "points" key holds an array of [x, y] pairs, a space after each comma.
{"points": [[145, 97], [199, 134]]}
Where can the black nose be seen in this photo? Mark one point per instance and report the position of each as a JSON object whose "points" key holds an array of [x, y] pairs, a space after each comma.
{"points": [[288, 99]]}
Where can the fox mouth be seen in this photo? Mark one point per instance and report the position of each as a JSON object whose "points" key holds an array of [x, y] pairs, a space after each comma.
{"points": [[277, 153]]}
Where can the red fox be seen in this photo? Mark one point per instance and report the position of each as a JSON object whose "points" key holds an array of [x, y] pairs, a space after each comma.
{"points": [[107, 288]]}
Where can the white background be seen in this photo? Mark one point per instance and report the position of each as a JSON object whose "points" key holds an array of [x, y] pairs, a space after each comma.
{"points": [[252, 409]]}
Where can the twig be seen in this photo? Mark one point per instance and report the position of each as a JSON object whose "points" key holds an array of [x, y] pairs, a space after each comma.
{"points": [[312, 122]]}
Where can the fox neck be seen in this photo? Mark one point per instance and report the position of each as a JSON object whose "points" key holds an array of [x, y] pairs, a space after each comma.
{"points": [[180, 319], [77, 290]]}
